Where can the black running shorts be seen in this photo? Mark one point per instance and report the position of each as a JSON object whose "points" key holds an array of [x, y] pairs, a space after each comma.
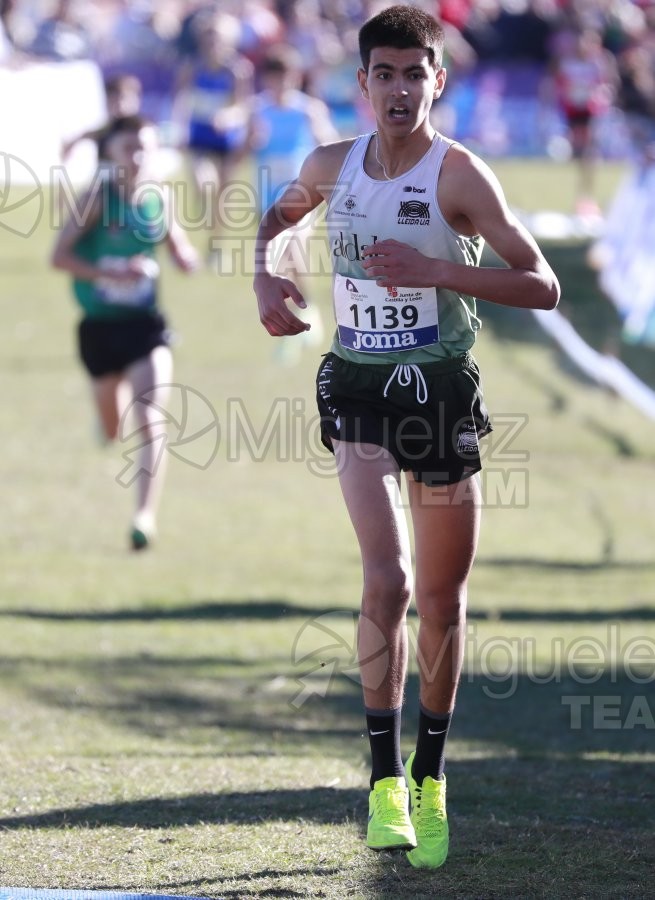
{"points": [[109, 346], [429, 416]]}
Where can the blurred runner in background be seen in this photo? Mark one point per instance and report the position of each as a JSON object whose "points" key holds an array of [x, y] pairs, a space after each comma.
{"points": [[213, 93], [109, 249], [285, 124]]}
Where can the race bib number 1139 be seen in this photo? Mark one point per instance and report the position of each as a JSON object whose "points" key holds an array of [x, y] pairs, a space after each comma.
{"points": [[374, 319]]}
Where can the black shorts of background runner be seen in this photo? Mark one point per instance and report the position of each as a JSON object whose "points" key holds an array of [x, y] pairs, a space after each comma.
{"points": [[109, 346], [430, 422]]}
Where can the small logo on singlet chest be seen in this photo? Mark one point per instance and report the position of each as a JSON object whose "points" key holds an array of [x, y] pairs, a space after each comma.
{"points": [[414, 212]]}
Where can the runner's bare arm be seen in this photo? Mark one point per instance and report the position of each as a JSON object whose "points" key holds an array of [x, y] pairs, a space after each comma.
{"points": [[312, 186], [181, 250], [472, 202], [64, 256]]}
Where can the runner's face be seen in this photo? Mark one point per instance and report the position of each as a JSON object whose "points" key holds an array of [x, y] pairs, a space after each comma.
{"points": [[126, 101], [401, 86], [131, 150]]}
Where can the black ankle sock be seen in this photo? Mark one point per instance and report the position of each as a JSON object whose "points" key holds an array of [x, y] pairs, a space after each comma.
{"points": [[383, 726], [430, 746]]}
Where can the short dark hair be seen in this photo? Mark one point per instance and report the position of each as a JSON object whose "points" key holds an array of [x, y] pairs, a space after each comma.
{"points": [[122, 125], [281, 59], [128, 125], [402, 27], [115, 83]]}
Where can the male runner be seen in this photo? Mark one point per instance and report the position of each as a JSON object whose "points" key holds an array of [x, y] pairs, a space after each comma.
{"points": [[123, 337], [407, 212]]}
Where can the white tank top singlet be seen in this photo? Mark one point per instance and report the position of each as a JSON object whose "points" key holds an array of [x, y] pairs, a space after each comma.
{"points": [[387, 325]]}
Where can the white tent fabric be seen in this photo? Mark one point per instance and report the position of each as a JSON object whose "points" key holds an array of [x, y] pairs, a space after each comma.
{"points": [[601, 368]]}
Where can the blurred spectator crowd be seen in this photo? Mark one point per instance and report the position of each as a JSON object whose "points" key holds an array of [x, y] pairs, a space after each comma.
{"points": [[526, 77]]}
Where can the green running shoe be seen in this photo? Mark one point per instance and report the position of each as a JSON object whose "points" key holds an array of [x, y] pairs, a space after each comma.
{"points": [[139, 539], [143, 531], [389, 825], [428, 814]]}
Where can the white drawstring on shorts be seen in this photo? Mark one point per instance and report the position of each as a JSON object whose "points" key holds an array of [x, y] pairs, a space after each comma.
{"points": [[404, 375]]}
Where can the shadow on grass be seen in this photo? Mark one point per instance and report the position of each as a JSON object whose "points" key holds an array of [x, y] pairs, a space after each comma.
{"points": [[211, 610], [548, 795], [242, 893], [502, 562], [529, 789], [295, 692], [320, 805], [249, 884], [566, 708], [519, 828], [253, 877], [234, 610], [634, 614]]}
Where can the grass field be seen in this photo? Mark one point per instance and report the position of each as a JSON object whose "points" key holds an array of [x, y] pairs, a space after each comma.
{"points": [[188, 721]]}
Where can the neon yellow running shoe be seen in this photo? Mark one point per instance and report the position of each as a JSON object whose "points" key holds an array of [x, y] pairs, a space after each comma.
{"points": [[428, 814], [389, 825]]}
